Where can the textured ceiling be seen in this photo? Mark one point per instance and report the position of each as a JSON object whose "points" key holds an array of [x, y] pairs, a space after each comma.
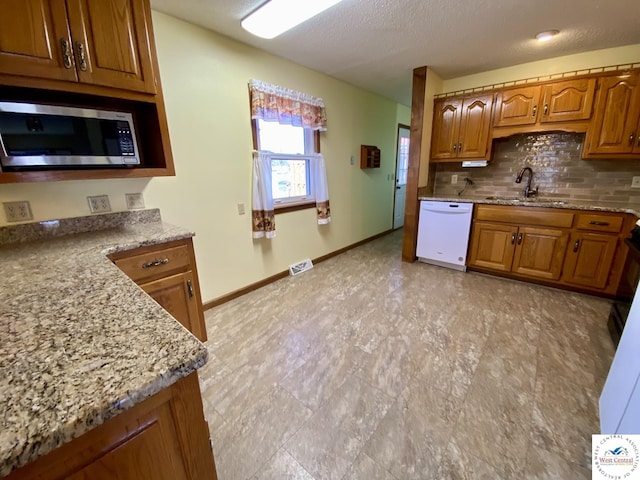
{"points": [[375, 44]]}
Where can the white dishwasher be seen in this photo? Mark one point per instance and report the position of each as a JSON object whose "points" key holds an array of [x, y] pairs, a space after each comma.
{"points": [[443, 233]]}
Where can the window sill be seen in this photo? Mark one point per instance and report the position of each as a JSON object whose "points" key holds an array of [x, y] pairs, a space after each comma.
{"points": [[294, 208]]}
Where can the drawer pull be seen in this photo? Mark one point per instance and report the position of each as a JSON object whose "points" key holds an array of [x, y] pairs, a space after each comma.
{"points": [[155, 263], [190, 288], [535, 110], [576, 246], [519, 239], [600, 224], [546, 109]]}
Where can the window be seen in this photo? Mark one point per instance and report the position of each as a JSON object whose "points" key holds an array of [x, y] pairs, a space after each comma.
{"points": [[291, 183]]}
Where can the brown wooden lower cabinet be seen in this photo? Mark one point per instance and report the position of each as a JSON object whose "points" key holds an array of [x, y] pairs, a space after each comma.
{"points": [[590, 258], [168, 273], [165, 437], [574, 249], [540, 252]]}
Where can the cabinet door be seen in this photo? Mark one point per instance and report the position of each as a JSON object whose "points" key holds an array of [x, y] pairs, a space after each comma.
{"points": [[177, 296], [492, 246], [32, 33], [111, 43], [614, 126], [590, 258], [540, 252], [566, 101], [474, 127], [446, 128], [517, 106], [151, 451]]}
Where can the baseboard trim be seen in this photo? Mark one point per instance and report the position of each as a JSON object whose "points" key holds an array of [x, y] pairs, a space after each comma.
{"points": [[280, 275]]}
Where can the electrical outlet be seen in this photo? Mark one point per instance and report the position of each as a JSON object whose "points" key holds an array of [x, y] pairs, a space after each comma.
{"points": [[635, 182], [99, 204], [241, 209], [454, 179], [17, 211], [134, 200]]}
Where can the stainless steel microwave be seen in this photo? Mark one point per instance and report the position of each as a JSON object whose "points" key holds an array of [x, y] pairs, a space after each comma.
{"points": [[34, 136]]}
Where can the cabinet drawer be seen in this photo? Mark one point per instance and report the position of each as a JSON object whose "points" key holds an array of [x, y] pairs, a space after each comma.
{"points": [[543, 217], [599, 222], [156, 262]]}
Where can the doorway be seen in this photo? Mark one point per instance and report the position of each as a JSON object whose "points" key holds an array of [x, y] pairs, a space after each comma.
{"points": [[402, 167]]}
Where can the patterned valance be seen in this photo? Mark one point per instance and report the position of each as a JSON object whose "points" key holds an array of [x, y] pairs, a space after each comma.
{"points": [[273, 103]]}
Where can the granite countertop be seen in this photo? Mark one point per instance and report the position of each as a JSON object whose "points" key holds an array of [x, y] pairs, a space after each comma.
{"points": [[545, 202], [79, 341]]}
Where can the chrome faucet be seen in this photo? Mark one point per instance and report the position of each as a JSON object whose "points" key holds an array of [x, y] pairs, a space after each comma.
{"points": [[527, 189]]}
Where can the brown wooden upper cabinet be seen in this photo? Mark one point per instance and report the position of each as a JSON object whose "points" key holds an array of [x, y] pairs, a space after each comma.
{"points": [[461, 128], [564, 101], [615, 128], [99, 42]]}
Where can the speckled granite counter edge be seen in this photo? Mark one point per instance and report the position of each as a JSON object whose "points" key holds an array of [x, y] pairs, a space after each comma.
{"points": [[29, 232], [544, 203]]}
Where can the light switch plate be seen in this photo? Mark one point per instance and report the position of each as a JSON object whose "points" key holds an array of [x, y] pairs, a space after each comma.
{"points": [[635, 182], [454, 179], [241, 209], [17, 211]]}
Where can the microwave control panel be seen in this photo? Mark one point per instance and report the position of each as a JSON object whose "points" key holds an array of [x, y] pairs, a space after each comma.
{"points": [[125, 139]]}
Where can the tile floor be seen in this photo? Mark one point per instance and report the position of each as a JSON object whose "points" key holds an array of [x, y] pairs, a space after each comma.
{"points": [[369, 368]]}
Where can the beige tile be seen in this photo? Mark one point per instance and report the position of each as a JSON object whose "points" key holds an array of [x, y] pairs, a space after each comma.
{"points": [[410, 439], [458, 464], [456, 375], [366, 468], [282, 466], [329, 442], [242, 447], [544, 465]]}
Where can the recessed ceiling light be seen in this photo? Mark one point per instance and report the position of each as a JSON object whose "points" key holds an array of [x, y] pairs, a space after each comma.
{"points": [[277, 16], [547, 35]]}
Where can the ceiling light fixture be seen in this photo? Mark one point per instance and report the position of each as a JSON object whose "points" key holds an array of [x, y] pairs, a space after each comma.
{"points": [[547, 35], [278, 16]]}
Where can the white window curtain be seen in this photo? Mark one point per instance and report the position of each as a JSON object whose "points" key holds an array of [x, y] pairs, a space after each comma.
{"points": [[264, 221], [321, 189]]}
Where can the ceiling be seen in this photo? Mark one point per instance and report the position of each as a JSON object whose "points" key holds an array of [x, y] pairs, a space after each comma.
{"points": [[375, 44]]}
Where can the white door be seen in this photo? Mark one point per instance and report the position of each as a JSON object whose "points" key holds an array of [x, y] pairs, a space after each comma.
{"points": [[402, 167]]}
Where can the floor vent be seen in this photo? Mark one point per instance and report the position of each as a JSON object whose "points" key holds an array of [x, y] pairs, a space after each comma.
{"points": [[298, 268]]}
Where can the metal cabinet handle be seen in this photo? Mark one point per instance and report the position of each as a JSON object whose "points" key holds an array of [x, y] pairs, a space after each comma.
{"points": [[601, 224], [82, 58], [66, 52], [513, 239], [190, 288], [546, 109], [639, 139], [576, 246], [535, 109], [460, 148], [631, 137], [519, 239], [455, 147], [155, 263]]}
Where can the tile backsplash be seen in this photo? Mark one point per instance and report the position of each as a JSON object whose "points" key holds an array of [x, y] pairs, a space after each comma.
{"points": [[558, 171]]}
